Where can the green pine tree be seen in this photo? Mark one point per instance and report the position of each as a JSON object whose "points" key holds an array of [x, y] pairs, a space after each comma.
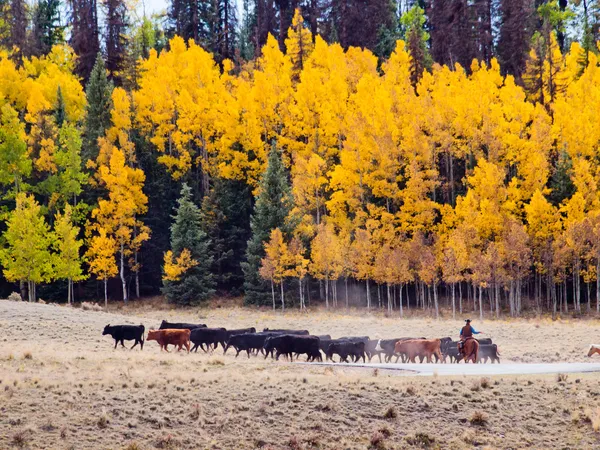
{"points": [[561, 182], [272, 207], [413, 26], [196, 284], [98, 92], [59, 109], [226, 220]]}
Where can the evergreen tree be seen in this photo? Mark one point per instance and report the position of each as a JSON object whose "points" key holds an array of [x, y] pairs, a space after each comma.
{"points": [[47, 30], [561, 183], [187, 279], [18, 27], [84, 34], [59, 109], [516, 29], [226, 220], [116, 43], [416, 37], [98, 92], [272, 206]]}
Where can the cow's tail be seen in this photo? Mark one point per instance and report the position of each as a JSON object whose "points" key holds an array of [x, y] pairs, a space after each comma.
{"points": [[143, 331]]}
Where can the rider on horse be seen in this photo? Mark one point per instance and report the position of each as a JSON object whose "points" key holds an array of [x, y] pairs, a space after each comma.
{"points": [[467, 332]]}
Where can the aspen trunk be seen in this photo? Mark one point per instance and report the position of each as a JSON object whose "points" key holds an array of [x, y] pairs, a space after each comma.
{"points": [[282, 297], [122, 274], [105, 294], [273, 294]]}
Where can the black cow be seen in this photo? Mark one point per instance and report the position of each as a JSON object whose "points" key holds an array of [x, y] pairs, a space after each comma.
{"points": [[288, 344], [485, 341], [489, 352], [240, 331], [122, 333], [450, 350], [164, 325], [364, 339], [281, 331], [326, 337], [248, 342], [345, 348], [209, 337]]}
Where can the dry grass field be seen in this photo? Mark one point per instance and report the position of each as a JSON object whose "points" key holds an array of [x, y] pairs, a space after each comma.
{"points": [[62, 386]]}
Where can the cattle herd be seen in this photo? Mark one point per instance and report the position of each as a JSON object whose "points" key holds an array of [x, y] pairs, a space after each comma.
{"points": [[292, 343]]}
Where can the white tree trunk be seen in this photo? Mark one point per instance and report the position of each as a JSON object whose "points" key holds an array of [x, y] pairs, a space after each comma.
{"points": [[122, 273]]}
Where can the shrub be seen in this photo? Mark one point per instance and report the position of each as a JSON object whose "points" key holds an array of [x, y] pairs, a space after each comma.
{"points": [[377, 441], [390, 413], [15, 297], [562, 377], [479, 418], [421, 440]]}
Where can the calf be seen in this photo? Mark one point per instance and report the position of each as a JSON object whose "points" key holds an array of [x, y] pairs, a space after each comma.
{"points": [[209, 337], [489, 351], [345, 348], [164, 325], [290, 344], [122, 333], [281, 331], [451, 351], [180, 338]]}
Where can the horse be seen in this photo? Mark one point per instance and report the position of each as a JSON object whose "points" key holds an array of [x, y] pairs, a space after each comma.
{"points": [[594, 349], [470, 350]]}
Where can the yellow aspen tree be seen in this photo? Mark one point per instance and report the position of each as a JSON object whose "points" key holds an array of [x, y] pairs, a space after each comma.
{"points": [[273, 265], [174, 268], [325, 259], [298, 44], [67, 263], [118, 213], [363, 255], [101, 258], [27, 256], [297, 266]]}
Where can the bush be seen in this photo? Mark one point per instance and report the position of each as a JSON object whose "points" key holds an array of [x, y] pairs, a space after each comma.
{"points": [[390, 413], [15, 297], [377, 441], [422, 440], [479, 418]]}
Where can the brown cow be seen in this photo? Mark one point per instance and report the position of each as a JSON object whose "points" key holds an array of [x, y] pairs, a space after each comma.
{"points": [[419, 347], [168, 337]]}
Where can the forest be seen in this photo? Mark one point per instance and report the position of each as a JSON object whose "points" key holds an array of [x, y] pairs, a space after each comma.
{"points": [[441, 156]]}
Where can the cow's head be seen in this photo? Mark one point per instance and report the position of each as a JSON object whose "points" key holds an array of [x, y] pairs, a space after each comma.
{"points": [[106, 330], [152, 335]]}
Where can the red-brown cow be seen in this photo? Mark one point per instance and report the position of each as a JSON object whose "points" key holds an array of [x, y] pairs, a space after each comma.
{"points": [[180, 338], [419, 347]]}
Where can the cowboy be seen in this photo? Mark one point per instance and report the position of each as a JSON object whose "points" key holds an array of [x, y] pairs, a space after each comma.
{"points": [[467, 332]]}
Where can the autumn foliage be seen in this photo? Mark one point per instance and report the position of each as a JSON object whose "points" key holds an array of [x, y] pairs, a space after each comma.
{"points": [[457, 187]]}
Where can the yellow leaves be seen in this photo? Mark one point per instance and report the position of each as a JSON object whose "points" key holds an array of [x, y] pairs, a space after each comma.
{"points": [[326, 254], [274, 264], [298, 43], [175, 268], [101, 255]]}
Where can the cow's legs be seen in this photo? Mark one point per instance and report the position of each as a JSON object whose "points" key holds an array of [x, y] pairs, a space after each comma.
{"points": [[116, 342], [136, 343], [122, 343]]}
